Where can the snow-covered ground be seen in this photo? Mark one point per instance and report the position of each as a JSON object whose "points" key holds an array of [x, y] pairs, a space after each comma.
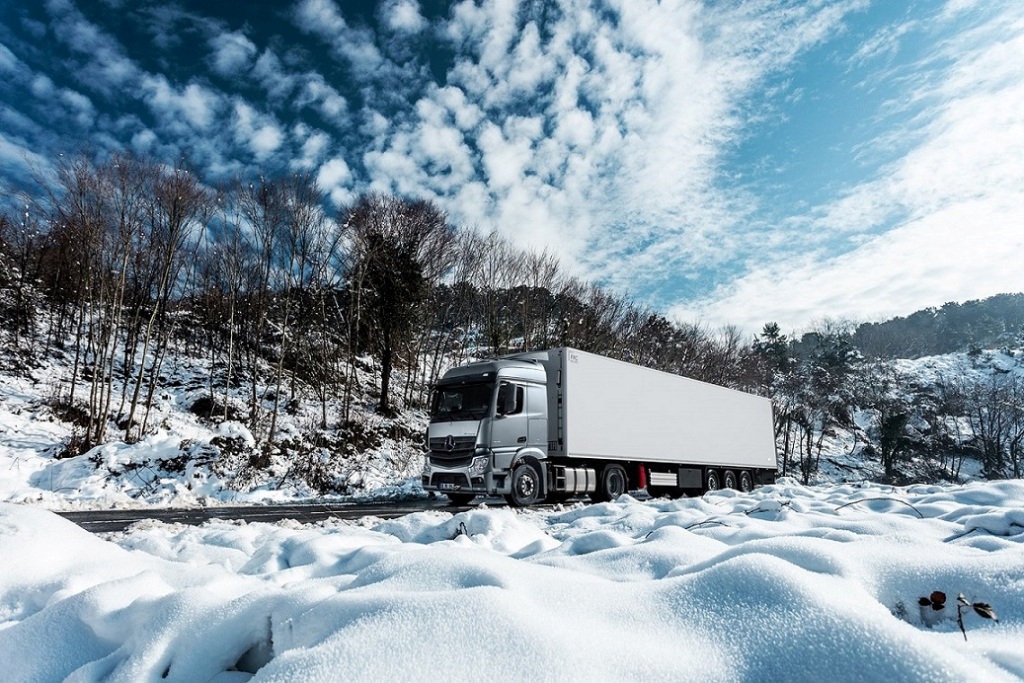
{"points": [[787, 583], [184, 460]]}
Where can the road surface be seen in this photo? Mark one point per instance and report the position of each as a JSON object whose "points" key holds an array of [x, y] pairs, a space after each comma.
{"points": [[99, 521]]}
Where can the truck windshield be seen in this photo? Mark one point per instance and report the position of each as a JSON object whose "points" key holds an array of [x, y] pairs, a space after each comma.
{"points": [[461, 402]]}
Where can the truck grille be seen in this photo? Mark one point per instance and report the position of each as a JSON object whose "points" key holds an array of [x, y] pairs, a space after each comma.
{"points": [[446, 460], [447, 446]]}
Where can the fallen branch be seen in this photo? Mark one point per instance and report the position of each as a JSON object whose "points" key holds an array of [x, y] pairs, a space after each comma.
{"points": [[896, 500]]}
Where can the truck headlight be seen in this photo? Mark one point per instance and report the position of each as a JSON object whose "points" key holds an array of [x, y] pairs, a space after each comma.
{"points": [[479, 465]]}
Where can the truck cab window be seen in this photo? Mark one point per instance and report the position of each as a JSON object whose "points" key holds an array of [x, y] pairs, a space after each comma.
{"points": [[461, 402], [510, 399]]}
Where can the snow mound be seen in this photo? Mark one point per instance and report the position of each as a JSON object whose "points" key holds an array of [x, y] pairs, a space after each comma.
{"points": [[786, 583]]}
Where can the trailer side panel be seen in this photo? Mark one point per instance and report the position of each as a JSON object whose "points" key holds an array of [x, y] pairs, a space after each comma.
{"points": [[611, 410]]}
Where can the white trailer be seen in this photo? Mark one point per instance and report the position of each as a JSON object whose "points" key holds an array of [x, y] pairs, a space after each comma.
{"points": [[558, 423]]}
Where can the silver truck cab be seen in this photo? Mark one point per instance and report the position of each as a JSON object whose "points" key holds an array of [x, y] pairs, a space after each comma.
{"points": [[488, 433]]}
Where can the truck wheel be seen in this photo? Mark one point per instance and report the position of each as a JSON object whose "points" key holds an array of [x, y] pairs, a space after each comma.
{"points": [[746, 482], [611, 485], [712, 482], [525, 486], [460, 498], [729, 480]]}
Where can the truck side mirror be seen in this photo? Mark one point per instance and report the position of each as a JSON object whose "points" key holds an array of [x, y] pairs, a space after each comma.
{"points": [[506, 399]]}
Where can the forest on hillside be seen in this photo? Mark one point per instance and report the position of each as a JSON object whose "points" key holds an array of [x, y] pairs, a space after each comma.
{"points": [[116, 264]]}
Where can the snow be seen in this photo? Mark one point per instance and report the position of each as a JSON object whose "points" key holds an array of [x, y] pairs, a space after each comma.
{"points": [[789, 582], [183, 460], [785, 583]]}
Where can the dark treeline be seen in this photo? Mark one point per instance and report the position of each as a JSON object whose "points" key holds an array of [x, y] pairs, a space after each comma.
{"points": [[990, 323], [121, 265]]}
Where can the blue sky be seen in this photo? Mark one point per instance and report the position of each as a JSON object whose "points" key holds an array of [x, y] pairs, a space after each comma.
{"points": [[726, 162]]}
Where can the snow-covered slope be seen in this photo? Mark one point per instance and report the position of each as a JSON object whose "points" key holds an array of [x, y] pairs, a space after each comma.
{"points": [[849, 452], [785, 584], [186, 460]]}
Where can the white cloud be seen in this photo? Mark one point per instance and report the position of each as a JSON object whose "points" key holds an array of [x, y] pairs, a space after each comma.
{"points": [[76, 106], [8, 61], [335, 178], [320, 16], [259, 132], [955, 197], [504, 160], [232, 53], [42, 87], [617, 169], [273, 76], [16, 157], [144, 140], [105, 67], [962, 252], [330, 103], [324, 19], [195, 104], [466, 114], [403, 16], [80, 107]]}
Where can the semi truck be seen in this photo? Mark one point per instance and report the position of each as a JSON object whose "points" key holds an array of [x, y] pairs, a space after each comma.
{"points": [[555, 424]]}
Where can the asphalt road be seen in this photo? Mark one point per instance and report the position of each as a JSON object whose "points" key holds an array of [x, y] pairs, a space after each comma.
{"points": [[100, 521]]}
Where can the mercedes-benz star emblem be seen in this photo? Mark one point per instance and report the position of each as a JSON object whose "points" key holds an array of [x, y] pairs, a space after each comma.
{"points": [[449, 443]]}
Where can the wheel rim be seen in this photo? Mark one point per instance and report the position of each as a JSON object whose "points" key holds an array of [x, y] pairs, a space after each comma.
{"points": [[713, 483], [611, 485], [526, 485], [746, 482], [729, 480], [616, 484]]}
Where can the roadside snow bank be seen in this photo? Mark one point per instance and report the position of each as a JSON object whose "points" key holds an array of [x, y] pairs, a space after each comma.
{"points": [[787, 583]]}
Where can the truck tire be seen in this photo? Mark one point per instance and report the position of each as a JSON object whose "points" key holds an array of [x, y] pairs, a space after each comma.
{"points": [[460, 498], [712, 481], [525, 486], [746, 482], [611, 485], [729, 480]]}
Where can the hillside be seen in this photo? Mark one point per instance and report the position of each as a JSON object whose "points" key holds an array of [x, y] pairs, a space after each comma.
{"points": [[188, 458]]}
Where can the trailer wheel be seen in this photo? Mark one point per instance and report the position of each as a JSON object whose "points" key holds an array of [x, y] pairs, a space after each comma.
{"points": [[611, 485], [525, 486], [460, 498], [746, 482], [712, 482], [729, 480]]}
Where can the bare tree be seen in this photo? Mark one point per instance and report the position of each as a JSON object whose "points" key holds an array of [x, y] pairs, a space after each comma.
{"points": [[303, 238], [262, 209], [399, 248], [180, 205]]}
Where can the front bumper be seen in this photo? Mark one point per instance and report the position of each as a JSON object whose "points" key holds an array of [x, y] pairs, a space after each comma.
{"points": [[463, 479]]}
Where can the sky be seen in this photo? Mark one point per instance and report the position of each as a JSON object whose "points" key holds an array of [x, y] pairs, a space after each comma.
{"points": [[722, 162], [787, 583]]}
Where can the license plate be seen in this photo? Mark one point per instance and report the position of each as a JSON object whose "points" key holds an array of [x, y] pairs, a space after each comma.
{"points": [[447, 487]]}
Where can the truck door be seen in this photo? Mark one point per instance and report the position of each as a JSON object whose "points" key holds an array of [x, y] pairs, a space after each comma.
{"points": [[510, 428]]}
